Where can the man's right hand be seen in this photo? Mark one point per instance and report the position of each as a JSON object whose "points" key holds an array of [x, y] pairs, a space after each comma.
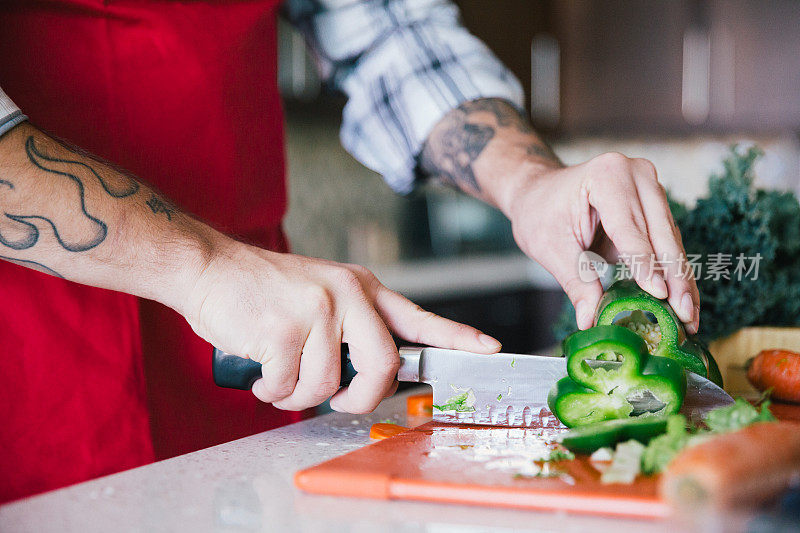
{"points": [[73, 216], [291, 314]]}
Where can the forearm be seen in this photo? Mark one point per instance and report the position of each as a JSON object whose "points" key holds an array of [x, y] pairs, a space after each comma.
{"points": [[72, 216], [487, 149]]}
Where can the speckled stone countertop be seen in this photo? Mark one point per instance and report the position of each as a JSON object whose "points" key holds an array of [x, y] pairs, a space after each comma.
{"points": [[246, 485]]}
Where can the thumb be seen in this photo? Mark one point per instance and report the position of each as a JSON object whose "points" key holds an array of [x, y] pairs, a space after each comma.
{"points": [[578, 272]]}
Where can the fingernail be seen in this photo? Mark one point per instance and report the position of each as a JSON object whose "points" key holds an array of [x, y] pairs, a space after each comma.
{"points": [[490, 342], [687, 307], [696, 323], [659, 286], [583, 315]]}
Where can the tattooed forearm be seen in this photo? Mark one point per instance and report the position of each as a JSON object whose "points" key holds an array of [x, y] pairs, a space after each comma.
{"points": [[81, 231], [122, 187], [157, 205], [458, 141], [72, 215]]}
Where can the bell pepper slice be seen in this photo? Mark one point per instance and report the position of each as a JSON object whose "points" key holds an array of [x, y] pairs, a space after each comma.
{"points": [[611, 376], [587, 439], [576, 405], [603, 357], [672, 341]]}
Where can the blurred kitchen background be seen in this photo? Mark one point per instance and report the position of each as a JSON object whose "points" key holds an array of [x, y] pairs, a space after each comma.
{"points": [[673, 81]]}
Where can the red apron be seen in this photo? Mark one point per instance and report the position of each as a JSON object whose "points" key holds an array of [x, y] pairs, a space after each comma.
{"points": [[184, 95]]}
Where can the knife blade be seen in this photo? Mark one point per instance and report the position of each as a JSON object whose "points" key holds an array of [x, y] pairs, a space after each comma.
{"points": [[502, 389]]}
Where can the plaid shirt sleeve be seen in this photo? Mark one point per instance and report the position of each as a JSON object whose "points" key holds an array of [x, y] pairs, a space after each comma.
{"points": [[403, 65], [10, 115]]}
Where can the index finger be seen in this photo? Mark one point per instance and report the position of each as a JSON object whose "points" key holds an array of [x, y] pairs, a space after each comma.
{"points": [[618, 204]]}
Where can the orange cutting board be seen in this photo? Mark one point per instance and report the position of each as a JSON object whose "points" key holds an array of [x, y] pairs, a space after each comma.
{"points": [[454, 464]]}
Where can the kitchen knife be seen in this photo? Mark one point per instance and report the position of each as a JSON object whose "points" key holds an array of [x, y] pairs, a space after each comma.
{"points": [[499, 389]]}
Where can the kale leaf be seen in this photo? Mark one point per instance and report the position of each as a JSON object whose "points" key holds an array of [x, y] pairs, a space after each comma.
{"points": [[736, 218]]}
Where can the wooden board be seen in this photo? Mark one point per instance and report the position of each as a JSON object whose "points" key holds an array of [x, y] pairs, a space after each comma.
{"points": [[476, 465]]}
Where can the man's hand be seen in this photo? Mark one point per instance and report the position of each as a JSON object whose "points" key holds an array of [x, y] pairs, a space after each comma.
{"points": [[291, 314], [75, 217], [612, 204]]}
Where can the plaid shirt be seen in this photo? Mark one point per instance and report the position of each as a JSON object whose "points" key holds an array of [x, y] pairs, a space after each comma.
{"points": [[10, 115], [403, 65]]}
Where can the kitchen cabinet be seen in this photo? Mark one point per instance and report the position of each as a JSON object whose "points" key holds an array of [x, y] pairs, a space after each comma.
{"points": [[755, 64], [649, 66]]}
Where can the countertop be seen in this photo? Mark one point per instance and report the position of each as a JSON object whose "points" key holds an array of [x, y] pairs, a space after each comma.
{"points": [[246, 485]]}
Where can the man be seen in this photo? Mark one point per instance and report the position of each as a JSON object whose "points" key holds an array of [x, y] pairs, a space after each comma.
{"points": [[184, 95]]}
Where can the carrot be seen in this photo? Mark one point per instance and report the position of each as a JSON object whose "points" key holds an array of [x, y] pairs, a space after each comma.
{"points": [[744, 467], [419, 405], [383, 430], [778, 370]]}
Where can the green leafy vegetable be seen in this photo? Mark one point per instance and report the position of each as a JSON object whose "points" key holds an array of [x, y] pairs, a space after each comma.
{"points": [[737, 415], [559, 455], [662, 449], [680, 434], [499, 397], [462, 401], [387, 421], [736, 218]]}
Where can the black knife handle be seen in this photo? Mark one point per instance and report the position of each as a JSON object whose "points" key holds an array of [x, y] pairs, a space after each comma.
{"points": [[234, 372]]}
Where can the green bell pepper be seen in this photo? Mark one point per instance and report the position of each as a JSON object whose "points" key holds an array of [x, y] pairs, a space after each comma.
{"points": [[671, 340], [611, 376], [587, 439]]}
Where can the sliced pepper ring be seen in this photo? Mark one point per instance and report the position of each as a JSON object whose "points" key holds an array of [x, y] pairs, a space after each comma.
{"points": [[587, 350], [626, 295], [576, 405], [636, 385]]}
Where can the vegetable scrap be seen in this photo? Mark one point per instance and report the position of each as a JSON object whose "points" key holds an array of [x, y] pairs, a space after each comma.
{"points": [[520, 452], [680, 434], [462, 401], [625, 465], [383, 430]]}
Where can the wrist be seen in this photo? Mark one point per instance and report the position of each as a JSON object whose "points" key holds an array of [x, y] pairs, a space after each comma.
{"points": [[183, 264], [515, 179]]}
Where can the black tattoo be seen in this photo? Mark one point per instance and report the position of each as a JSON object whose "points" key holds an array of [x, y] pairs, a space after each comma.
{"points": [[157, 205], [451, 150], [123, 185], [32, 264], [504, 113], [90, 231], [458, 148]]}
